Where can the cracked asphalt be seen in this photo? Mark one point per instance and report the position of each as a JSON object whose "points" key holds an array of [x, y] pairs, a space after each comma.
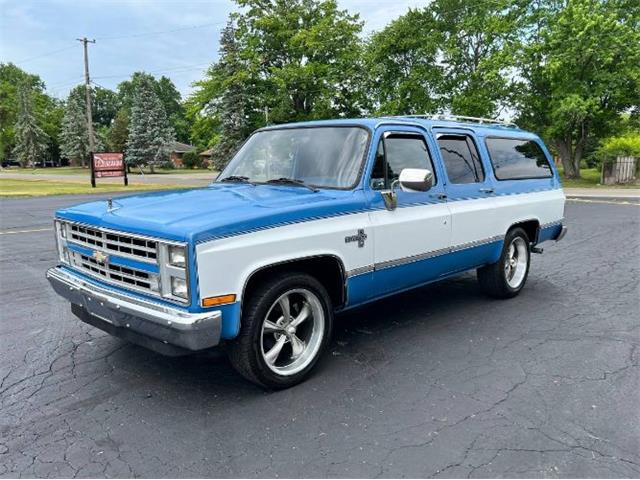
{"points": [[438, 382]]}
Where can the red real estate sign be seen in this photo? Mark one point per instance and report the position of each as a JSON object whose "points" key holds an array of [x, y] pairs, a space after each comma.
{"points": [[108, 164]]}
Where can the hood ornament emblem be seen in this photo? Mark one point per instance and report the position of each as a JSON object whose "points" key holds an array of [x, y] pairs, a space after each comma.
{"points": [[111, 205]]}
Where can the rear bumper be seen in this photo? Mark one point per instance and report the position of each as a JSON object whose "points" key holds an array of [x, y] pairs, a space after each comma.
{"points": [[167, 330], [563, 232]]}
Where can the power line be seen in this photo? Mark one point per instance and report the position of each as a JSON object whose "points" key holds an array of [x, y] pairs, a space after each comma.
{"points": [[48, 54], [144, 34]]}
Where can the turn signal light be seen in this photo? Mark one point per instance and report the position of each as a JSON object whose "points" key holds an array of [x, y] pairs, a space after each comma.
{"points": [[221, 300]]}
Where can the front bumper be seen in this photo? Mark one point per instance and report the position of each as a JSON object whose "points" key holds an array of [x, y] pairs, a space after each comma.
{"points": [[166, 330]]}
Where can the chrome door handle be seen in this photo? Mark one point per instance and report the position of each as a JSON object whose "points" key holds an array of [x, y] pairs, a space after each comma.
{"points": [[488, 190]]}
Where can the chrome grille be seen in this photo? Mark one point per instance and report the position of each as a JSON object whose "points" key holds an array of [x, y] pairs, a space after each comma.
{"points": [[124, 245], [124, 276]]}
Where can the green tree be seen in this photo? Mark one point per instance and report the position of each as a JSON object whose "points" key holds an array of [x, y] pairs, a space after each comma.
{"points": [[31, 141], [580, 71], [476, 49], [405, 76], [168, 94], [301, 56], [47, 110], [234, 100], [149, 129], [453, 55], [75, 134], [119, 131], [104, 106]]}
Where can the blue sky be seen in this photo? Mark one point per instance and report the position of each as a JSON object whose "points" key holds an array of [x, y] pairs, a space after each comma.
{"points": [[39, 36]]}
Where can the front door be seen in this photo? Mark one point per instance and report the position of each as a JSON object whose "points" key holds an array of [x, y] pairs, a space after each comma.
{"points": [[411, 241]]}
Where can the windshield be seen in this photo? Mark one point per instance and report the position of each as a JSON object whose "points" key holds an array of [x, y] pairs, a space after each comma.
{"points": [[320, 156]]}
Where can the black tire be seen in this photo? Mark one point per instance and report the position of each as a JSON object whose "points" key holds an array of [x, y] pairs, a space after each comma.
{"points": [[494, 279], [246, 352]]}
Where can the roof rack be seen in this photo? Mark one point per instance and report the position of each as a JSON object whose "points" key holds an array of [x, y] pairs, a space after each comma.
{"points": [[461, 118]]}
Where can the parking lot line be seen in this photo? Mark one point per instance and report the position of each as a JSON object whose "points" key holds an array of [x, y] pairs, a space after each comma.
{"points": [[13, 232], [608, 202]]}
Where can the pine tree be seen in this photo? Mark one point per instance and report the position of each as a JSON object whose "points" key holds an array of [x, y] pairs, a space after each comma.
{"points": [[74, 137], [149, 129], [31, 141], [119, 131], [234, 100]]}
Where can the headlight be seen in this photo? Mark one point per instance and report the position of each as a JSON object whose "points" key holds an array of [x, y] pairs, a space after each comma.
{"points": [[177, 256], [179, 287], [61, 242]]}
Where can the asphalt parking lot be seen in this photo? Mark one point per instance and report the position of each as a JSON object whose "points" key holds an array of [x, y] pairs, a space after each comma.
{"points": [[438, 382]]}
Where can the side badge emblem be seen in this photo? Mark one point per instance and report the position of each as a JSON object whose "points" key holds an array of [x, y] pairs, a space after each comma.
{"points": [[360, 238]]}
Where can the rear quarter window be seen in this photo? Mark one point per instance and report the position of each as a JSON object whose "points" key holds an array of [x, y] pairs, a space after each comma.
{"points": [[517, 159]]}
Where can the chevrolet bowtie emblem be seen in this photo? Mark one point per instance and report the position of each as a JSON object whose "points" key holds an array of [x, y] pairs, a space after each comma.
{"points": [[100, 257], [360, 238]]}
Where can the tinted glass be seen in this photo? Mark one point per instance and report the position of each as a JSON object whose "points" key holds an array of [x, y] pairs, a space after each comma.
{"points": [[515, 159], [402, 151], [378, 179], [461, 159], [324, 157]]}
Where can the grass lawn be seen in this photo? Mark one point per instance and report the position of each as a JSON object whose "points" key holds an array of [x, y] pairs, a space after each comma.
{"points": [[40, 188], [590, 179], [86, 171]]}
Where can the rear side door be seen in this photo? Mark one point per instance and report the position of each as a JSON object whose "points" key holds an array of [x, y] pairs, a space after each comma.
{"points": [[409, 238], [471, 197]]}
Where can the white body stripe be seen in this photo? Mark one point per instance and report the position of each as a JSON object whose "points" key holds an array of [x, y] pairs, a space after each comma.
{"points": [[224, 265], [410, 231]]}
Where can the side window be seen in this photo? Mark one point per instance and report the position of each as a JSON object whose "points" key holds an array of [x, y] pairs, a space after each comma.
{"points": [[395, 153], [460, 158], [515, 159], [378, 177]]}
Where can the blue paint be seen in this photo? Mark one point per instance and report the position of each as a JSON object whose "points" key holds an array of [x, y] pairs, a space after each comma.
{"points": [[230, 320], [116, 260], [367, 288], [549, 233], [390, 280]]}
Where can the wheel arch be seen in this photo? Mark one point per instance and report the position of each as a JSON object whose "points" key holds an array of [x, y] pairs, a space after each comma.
{"points": [[328, 269], [530, 226]]}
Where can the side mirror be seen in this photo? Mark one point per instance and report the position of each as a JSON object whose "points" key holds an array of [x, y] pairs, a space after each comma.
{"points": [[416, 179]]}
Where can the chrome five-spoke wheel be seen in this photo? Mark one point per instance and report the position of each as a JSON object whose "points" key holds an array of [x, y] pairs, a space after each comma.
{"points": [[506, 277], [285, 326], [515, 262], [292, 331]]}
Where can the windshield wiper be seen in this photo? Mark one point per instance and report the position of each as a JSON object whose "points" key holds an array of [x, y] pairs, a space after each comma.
{"points": [[236, 179], [292, 181]]}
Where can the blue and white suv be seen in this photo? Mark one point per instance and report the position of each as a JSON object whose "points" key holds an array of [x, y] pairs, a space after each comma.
{"points": [[307, 220]]}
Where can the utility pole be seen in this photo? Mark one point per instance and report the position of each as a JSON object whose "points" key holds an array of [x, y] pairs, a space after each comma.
{"points": [[87, 87]]}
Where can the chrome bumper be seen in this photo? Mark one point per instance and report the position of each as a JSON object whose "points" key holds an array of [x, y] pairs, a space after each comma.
{"points": [[562, 233], [167, 330]]}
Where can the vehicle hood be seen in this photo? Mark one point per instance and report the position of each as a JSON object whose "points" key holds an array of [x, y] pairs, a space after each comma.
{"points": [[218, 210]]}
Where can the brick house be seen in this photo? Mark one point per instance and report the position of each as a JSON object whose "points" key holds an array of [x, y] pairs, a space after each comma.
{"points": [[178, 149]]}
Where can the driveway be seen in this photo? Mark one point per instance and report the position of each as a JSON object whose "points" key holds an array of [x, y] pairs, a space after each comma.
{"points": [[438, 382]]}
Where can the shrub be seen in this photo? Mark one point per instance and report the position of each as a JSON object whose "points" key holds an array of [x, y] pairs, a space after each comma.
{"points": [[626, 146], [191, 159]]}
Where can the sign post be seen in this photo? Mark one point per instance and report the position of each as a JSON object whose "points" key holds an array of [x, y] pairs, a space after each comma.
{"points": [[108, 164]]}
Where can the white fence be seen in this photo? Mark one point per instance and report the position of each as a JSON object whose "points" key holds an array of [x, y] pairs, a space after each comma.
{"points": [[620, 170]]}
